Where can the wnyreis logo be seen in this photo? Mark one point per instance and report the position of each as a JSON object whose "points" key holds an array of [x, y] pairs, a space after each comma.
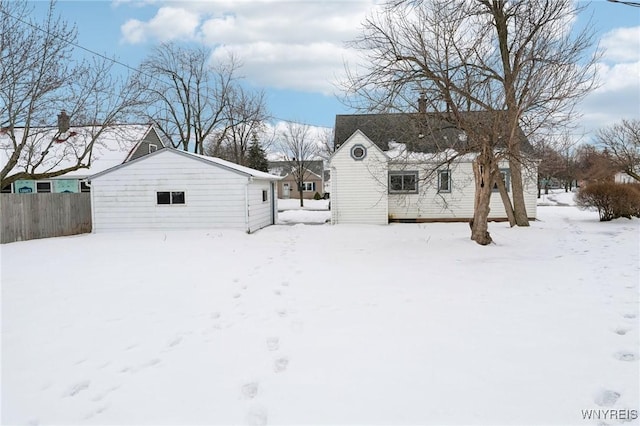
{"points": [[625, 415]]}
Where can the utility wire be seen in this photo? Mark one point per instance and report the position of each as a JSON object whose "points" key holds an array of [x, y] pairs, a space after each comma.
{"points": [[115, 61]]}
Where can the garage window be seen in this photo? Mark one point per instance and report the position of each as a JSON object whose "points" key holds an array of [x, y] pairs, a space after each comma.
{"points": [[166, 197], [265, 195]]}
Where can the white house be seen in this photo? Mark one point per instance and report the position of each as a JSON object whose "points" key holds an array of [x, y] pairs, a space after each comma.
{"points": [[112, 145], [379, 174], [171, 189]]}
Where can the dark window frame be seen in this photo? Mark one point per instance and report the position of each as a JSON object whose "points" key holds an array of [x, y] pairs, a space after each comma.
{"points": [[506, 175], [442, 172], [265, 196], [404, 182], [358, 147], [44, 191], [171, 198]]}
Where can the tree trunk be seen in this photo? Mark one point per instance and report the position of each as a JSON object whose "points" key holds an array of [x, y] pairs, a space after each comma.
{"points": [[482, 171], [506, 201], [300, 194], [517, 188]]}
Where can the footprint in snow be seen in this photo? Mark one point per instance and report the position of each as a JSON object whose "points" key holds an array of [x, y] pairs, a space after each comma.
{"points": [[273, 343], [174, 342], [629, 316], [77, 388], [280, 364], [250, 390], [606, 398], [621, 331], [282, 313], [626, 356]]}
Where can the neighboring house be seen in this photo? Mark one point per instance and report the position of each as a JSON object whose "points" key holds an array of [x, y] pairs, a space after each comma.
{"points": [[385, 168], [622, 177], [288, 187], [115, 145], [171, 189]]}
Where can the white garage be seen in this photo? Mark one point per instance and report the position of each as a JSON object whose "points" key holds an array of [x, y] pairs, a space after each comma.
{"points": [[171, 189]]}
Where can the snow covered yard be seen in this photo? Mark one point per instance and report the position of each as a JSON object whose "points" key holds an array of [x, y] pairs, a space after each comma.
{"points": [[398, 324]]}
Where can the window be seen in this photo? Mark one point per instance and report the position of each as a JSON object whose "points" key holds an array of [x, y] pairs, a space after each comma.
{"points": [[403, 182], [444, 180], [84, 187], [265, 197], [308, 186], [358, 152], [505, 174], [6, 189], [166, 197], [43, 186], [152, 148]]}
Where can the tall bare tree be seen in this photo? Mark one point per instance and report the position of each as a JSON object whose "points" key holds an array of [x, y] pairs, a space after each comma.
{"points": [[244, 118], [622, 141], [189, 95], [519, 62], [298, 149], [39, 77]]}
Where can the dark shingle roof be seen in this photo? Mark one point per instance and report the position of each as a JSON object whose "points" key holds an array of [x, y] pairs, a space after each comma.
{"points": [[420, 132]]}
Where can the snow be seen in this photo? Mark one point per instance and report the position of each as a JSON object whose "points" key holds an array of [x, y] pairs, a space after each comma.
{"points": [[348, 324], [313, 212]]}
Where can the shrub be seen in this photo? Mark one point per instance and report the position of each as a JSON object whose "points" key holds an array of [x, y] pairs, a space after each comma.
{"points": [[612, 200], [317, 196]]}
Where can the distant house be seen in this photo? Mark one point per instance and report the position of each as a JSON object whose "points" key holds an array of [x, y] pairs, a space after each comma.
{"points": [[622, 177], [115, 145], [387, 167], [176, 190], [288, 187]]}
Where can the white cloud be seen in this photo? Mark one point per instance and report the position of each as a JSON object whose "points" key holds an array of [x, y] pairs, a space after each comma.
{"points": [[168, 24], [284, 44], [622, 44]]}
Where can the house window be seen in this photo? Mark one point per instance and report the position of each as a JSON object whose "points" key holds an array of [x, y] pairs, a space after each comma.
{"points": [[358, 152], [84, 187], [43, 187], [165, 197], [505, 174], [265, 195], [6, 189], [444, 180], [152, 148], [308, 186], [403, 182]]}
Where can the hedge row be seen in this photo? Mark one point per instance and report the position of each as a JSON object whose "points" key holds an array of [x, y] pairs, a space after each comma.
{"points": [[612, 200]]}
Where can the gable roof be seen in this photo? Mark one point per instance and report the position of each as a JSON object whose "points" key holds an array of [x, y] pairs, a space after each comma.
{"points": [[283, 168], [112, 147], [419, 132], [236, 168]]}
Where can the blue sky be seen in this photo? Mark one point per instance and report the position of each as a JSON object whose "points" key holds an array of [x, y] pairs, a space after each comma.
{"points": [[295, 49]]}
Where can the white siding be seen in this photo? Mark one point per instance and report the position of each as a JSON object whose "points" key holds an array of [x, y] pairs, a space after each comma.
{"points": [[126, 198], [457, 204], [260, 212], [358, 188]]}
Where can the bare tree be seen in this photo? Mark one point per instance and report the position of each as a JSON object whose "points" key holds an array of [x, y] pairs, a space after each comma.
{"points": [[188, 95], [245, 117], [622, 141], [515, 61], [298, 149], [38, 79]]}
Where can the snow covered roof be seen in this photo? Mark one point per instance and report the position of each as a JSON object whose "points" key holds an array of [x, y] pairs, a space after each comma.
{"points": [[112, 147], [247, 171]]}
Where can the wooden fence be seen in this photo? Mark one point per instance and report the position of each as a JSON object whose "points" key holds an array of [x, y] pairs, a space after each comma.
{"points": [[32, 216]]}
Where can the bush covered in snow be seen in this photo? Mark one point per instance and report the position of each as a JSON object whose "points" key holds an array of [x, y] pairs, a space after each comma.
{"points": [[612, 200]]}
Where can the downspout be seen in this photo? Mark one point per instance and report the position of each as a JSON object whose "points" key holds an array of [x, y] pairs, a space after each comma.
{"points": [[93, 209], [333, 196], [246, 205]]}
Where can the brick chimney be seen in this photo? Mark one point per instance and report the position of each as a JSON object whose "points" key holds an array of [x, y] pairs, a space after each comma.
{"points": [[63, 122], [422, 103]]}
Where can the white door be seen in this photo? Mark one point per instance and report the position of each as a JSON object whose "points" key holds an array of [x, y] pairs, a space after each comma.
{"points": [[285, 190]]}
